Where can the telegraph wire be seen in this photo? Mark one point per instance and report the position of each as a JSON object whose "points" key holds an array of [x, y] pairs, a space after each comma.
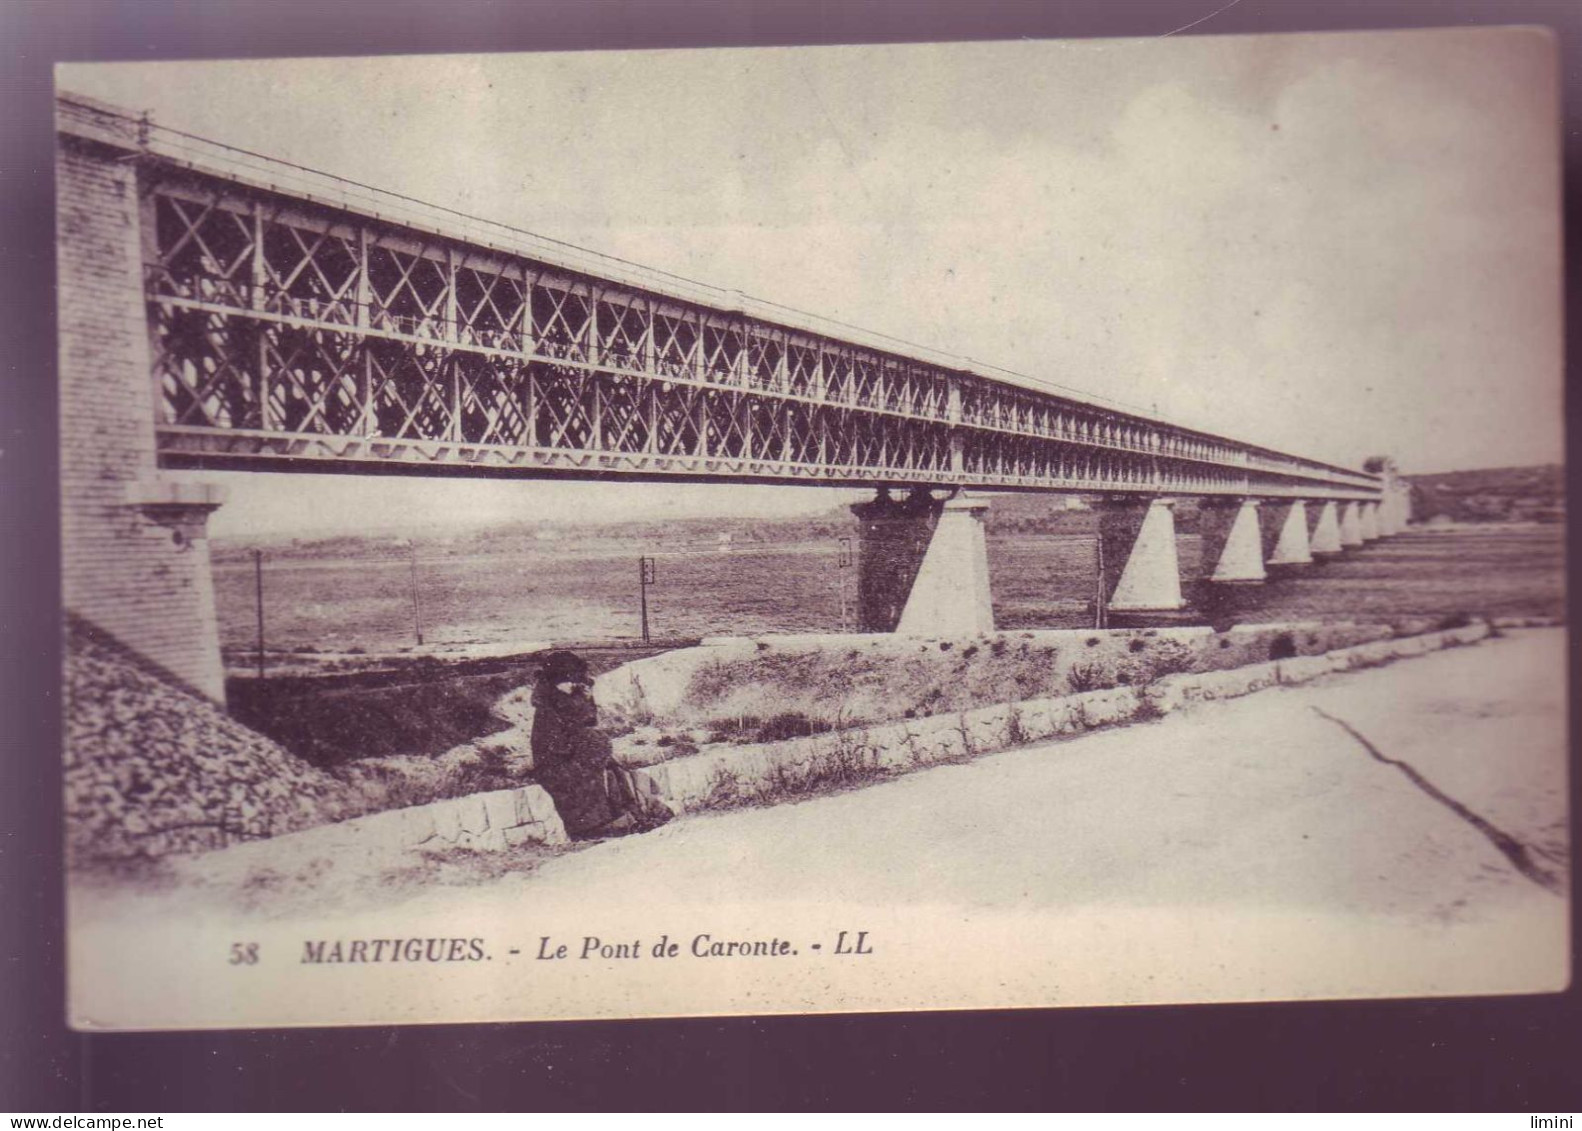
{"points": [[605, 257]]}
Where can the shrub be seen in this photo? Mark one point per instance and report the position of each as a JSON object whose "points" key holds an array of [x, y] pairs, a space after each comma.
{"points": [[492, 757], [1171, 657], [846, 763], [1137, 645], [1015, 730], [725, 789], [1282, 647], [1147, 710], [1088, 677]]}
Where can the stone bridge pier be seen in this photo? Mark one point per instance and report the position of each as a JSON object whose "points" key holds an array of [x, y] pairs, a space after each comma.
{"points": [[1232, 555], [1138, 560], [923, 560], [1325, 539], [134, 542], [923, 565], [1292, 548]]}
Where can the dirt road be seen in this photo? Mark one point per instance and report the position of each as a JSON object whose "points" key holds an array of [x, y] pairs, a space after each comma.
{"points": [[1251, 849], [1257, 802]]}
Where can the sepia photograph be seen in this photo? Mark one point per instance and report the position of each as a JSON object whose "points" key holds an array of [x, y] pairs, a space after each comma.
{"points": [[672, 533]]}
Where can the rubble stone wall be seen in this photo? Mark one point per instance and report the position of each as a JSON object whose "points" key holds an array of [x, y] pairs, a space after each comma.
{"points": [[700, 780], [152, 767]]}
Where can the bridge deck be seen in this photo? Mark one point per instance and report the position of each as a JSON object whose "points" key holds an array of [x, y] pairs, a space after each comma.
{"points": [[293, 327]]}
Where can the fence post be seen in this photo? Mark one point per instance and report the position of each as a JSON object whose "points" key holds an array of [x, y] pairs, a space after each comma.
{"points": [[417, 612], [258, 596], [645, 578], [842, 565]]}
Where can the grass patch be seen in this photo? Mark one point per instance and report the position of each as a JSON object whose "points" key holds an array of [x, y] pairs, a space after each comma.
{"points": [[776, 728], [846, 763], [398, 783]]}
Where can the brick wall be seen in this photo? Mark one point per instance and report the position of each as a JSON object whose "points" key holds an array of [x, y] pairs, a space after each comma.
{"points": [[121, 570]]}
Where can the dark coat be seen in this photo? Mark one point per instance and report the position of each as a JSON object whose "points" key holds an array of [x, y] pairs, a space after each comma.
{"points": [[572, 759]]}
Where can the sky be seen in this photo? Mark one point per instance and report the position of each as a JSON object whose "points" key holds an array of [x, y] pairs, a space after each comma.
{"points": [[1336, 245]]}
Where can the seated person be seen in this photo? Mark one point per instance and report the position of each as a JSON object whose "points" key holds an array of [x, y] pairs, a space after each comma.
{"points": [[572, 758]]}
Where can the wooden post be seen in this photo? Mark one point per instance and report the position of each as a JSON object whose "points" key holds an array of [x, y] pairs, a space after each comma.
{"points": [[645, 578], [258, 594], [843, 564], [417, 611]]}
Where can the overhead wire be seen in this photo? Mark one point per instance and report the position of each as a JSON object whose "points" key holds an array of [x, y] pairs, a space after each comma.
{"points": [[279, 173], [604, 257]]}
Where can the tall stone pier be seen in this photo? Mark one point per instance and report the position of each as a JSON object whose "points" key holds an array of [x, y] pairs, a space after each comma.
{"points": [[1368, 522], [923, 565], [950, 595], [1232, 540], [134, 547], [1350, 526], [1231, 554], [1137, 544], [892, 539], [1325, 539], [1292, 548]]}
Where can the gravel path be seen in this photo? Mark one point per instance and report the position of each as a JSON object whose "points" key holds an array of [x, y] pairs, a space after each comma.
{"points": [[1256, 802], [1241, 850]]}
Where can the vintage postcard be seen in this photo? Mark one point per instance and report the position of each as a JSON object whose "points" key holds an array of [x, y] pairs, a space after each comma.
{"points": [[872, 528]]}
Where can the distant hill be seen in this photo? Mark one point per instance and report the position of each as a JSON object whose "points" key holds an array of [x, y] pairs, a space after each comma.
{"points": [[1498, 494]]}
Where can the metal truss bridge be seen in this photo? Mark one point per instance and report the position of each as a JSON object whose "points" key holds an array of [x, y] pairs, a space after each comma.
{"points": [[301, 322]]}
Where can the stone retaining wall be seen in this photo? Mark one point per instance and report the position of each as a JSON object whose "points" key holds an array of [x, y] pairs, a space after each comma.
{"points": [[509, 818], [694, 782], [504, 818], [484, 822]]}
